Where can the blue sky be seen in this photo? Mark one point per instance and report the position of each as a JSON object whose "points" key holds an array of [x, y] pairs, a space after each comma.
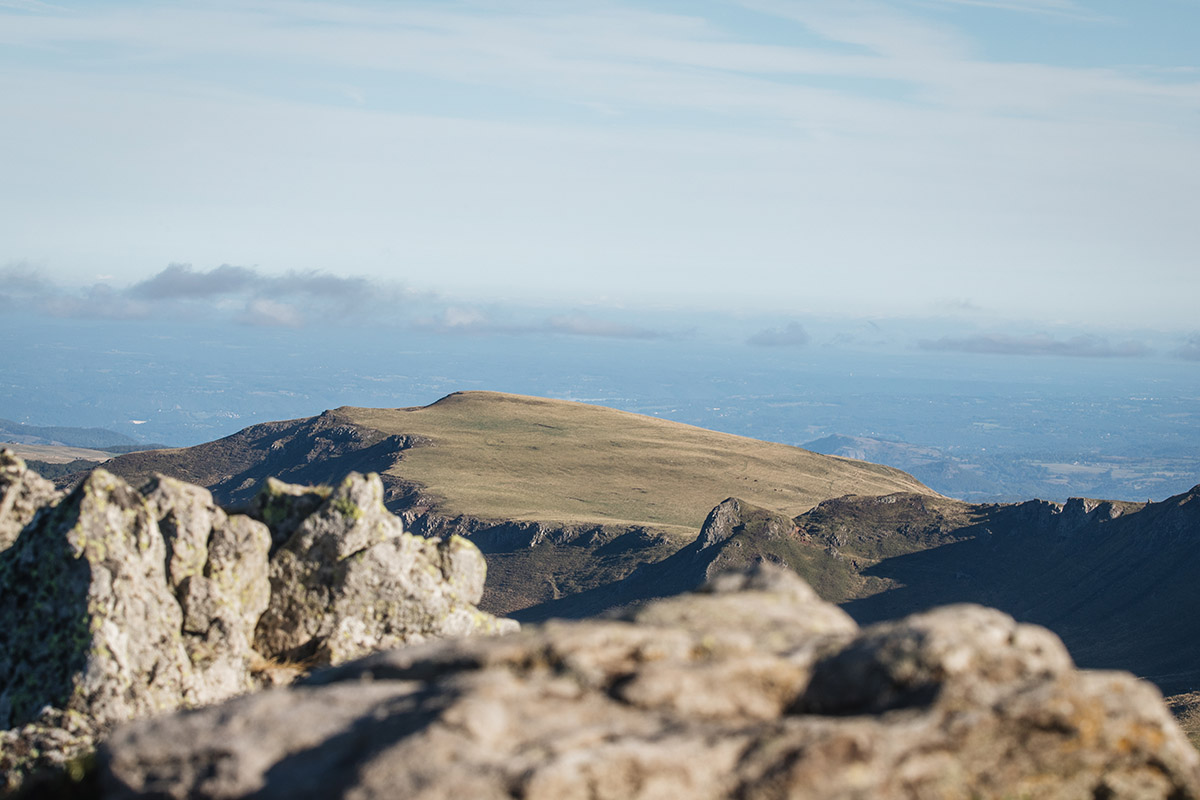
{"points": [[1018, 162]]}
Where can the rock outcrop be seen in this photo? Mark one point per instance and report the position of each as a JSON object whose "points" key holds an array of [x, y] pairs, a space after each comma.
{"points": [[22, 493], [116, 604], [752, 688], [348, 581]]}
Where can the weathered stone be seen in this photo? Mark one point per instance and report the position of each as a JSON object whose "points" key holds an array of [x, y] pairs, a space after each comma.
{"points": [[22, 493], [88, 628], [115, 606], [88, 622], [349, 580], [692, 697], [217, 570]]}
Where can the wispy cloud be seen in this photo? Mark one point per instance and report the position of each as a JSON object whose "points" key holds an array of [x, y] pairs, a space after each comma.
{"points": [[792, 334], [270, 314], [30, 5], [22, 278], [1057, 8], [26, 289], [243, 295], [789, 124], [1190, 349], [99, 301], [1039, 344], [475, 321], [466, 320], [584, 325]]}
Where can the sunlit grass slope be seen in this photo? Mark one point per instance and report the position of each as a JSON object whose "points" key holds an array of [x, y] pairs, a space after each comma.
{"points": [[502, 456]]}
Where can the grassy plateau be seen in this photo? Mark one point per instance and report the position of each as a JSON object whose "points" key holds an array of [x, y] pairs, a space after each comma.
{"points": [[510, 457]]}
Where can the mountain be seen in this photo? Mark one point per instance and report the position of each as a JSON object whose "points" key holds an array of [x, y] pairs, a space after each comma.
{"points": [[562, 496], [580, 509], [979, 476], [93, 438]]}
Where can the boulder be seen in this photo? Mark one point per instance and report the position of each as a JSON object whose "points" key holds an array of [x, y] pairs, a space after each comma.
{"points": [[216, 568], [118, 604], [753, 688], [89, 632], [348, 580], [22, 493]]}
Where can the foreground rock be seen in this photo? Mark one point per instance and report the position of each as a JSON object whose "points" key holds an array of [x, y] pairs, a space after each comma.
{"points": [[347, 581], [116, 604], [22, 493], [754, 688]]}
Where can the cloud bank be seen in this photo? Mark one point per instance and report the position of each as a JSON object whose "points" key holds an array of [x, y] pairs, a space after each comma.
{"points": [[247, 296], [789, 335], [243, 295], [1038, 344]]}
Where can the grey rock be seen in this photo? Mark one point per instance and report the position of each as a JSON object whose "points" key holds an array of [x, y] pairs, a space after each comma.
{"points": [[22, 493], [117, 604], [349, 580], [88, 622], [696, 696], [217, 571], [88, 629]]}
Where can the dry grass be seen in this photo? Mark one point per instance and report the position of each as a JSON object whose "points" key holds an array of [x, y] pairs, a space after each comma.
{"points": [[272, 672], [501, 456], [55, 454], [1186, 708]]}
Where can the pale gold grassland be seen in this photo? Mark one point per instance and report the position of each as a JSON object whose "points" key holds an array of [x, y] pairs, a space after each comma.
{"points": [[55, 454], [502, 456], [1186, 708]]}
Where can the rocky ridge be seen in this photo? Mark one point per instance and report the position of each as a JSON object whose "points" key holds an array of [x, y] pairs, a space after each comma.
{"points": [[117, 603], [751, 688]]}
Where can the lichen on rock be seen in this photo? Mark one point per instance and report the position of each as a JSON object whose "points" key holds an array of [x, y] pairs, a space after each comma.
{"points": [[729, 693], [349, 580], [22, 494], [117, 604]]}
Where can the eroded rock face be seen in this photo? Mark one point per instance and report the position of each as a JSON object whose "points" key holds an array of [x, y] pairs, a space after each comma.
{"points": [[752, 689], [22, 493], [88, 622], [216, 568], [349, 581], [117, 604]]}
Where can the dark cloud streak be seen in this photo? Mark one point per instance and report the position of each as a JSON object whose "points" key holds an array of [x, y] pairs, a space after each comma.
{"points": [[180, 281]]}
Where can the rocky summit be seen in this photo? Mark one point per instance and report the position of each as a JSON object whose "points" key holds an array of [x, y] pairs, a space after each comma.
{"points": [[118, 603], [752, 687]]}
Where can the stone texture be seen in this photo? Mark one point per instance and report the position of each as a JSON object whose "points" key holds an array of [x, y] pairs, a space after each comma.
{"points": [[117, 604], [88, 622], [349, 580], [217, 571], [22, 493], [752, 689], [88, 628]]}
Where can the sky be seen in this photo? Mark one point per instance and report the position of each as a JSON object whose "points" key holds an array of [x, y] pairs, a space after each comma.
{"points": [[1027, 168]]}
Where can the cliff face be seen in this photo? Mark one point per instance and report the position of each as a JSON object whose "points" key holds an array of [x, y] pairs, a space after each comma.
{"points": [[117, 603], [752, 688]]}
